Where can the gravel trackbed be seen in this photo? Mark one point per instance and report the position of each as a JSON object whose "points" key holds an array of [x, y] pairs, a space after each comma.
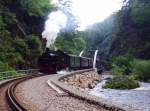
{"points": [[36, 95]]}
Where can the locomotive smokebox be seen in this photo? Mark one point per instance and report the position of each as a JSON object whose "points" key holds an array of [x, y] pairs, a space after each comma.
{"points": [[52, 61]]}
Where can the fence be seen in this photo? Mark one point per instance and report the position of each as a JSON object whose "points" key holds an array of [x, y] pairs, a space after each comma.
{"points": [[18, 73]]}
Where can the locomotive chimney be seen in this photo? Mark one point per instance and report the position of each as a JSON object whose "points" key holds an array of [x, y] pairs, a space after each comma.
{"points": [[47, 50]]}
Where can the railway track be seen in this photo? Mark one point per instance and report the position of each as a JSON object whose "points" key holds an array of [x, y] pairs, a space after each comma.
{"points": [[8, 100]]}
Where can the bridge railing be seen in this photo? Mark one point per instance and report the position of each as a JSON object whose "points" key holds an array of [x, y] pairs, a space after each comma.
{"points": [[17, 73]]}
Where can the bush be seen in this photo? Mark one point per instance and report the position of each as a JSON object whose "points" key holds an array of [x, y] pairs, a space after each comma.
{"points": [[141, 69], [125, 65], [118, 70], [121, 82], [107, 64], [122, 65], [4, 67]]}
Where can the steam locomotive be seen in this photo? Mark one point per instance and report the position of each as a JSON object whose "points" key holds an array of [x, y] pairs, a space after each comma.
{"points": [[52, 61]]}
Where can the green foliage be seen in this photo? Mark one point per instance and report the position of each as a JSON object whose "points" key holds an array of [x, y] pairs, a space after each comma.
{"points": [[10, 52], [20, 46], [125, 32], [9, 18], [19, 19], [141, 69], [4, 67], [126, 65], [14, 58], [34, 49], [140, 11], [19, 51], [118, 70], [122, 61], [107, 64], [122, 65], [33, 42], [2, 24], [121, 82], [37, 7], [79, 43], [71, 42]]}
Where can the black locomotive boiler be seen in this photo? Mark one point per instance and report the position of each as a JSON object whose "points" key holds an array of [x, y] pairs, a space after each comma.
{"points": [[52, 61]]}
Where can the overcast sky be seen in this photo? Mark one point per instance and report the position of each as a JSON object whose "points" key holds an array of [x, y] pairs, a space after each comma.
{"points": [[89, 12]]}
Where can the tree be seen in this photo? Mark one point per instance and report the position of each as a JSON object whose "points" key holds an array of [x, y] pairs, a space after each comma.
{"points": [[19, 19], [20, 46], [125, 32], [140, 10], [34, 49], [71, 42], [37, 7]]}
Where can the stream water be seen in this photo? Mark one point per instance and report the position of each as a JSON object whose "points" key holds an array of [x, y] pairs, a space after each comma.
{"points": [[138, 98]]}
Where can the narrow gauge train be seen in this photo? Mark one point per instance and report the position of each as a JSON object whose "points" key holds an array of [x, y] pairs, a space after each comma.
{"points": [[52, 61]]}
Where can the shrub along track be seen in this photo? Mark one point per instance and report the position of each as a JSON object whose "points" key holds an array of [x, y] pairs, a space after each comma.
{"points": [[8, 101]]}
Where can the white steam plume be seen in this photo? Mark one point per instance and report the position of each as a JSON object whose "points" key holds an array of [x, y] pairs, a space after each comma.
{"points": [[56, 21]]}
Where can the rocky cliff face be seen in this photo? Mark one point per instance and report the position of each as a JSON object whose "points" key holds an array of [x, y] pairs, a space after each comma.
{"points": [[23, 23]]}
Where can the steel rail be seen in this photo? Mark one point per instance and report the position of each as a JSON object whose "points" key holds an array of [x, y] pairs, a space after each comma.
{"points": [[11, 97]]}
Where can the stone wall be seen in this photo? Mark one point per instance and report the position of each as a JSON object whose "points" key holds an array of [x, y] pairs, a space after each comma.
{"points": [[56, 80], [82, 80]]}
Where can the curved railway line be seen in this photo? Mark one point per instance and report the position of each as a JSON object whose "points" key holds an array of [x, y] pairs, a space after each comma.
{"points": [[8, 100], [11, 101], [3, 102]]}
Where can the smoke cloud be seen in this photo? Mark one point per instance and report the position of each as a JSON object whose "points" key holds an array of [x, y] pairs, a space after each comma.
{"points": [[56, 21]]}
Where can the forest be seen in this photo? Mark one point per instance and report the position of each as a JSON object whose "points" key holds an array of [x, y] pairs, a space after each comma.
{"points": [[123, 39], [124, 32], [21, 25]]}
